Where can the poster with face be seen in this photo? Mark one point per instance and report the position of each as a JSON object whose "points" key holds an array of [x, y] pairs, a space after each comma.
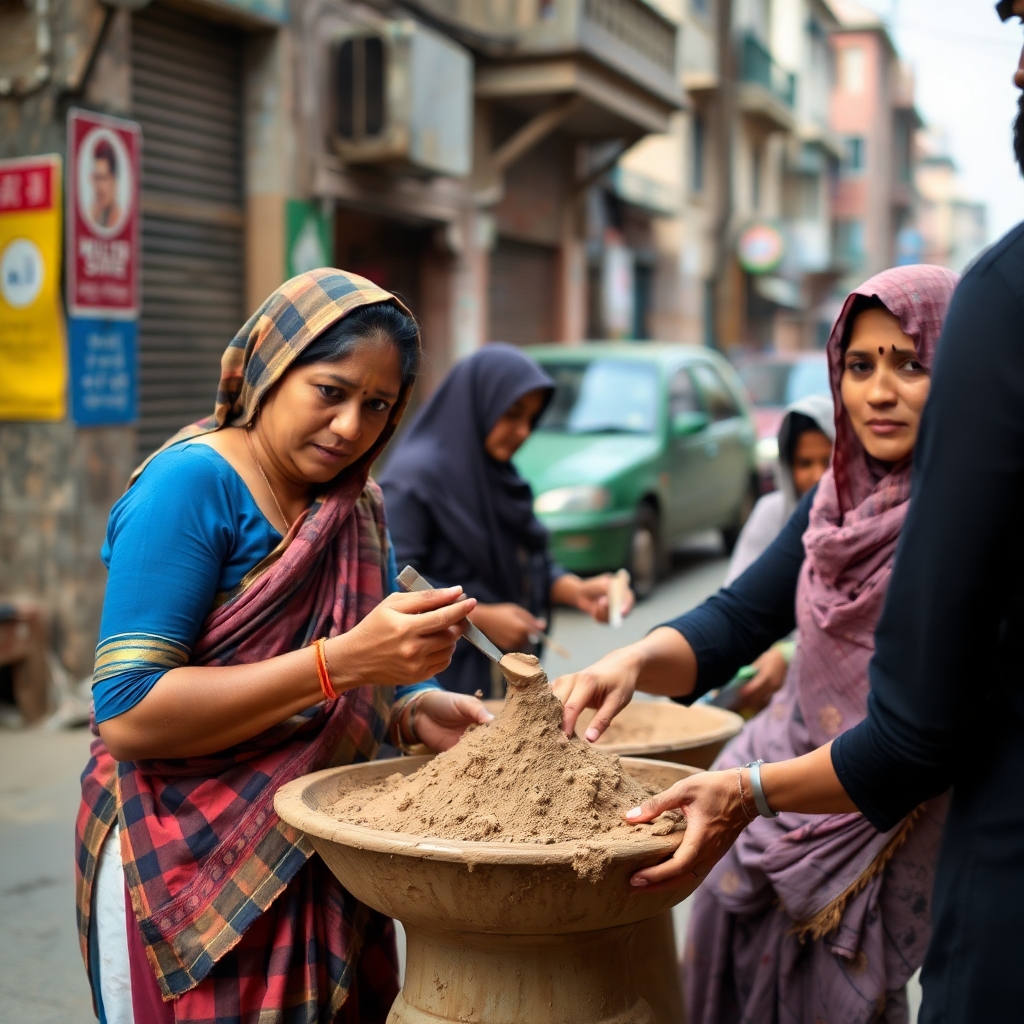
{"points": [[103, 215]]}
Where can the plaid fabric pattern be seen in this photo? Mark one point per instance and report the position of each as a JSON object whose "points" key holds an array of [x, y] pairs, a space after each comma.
{"points": [[260, 353], [232, 911]]}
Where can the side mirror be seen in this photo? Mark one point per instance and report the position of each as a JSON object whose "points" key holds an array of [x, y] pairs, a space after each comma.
{"points": [[686, 423]]}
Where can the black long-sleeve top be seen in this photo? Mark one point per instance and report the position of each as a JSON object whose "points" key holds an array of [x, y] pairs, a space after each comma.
{"points": [[946, 704], [743, 620], [949, 649]]}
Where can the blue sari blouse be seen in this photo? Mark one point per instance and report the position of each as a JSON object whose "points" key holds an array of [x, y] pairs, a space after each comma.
{"points": [[185, 532]]}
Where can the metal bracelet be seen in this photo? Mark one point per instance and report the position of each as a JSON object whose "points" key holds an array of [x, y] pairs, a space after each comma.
{"points": [[755, 784]]}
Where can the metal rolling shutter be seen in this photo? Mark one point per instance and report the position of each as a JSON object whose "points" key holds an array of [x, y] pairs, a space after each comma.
{"points": [[187, 95], [522, 293]]}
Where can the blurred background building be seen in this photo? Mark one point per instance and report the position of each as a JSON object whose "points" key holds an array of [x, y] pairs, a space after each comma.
{"points": [[707, 171]]}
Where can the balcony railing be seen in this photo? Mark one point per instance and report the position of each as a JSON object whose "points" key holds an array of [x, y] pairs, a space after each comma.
{"points": [[758, 68], [629, 36]]}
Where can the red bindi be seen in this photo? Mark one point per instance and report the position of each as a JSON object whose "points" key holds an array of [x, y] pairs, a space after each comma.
{"points": [[881, 351]]}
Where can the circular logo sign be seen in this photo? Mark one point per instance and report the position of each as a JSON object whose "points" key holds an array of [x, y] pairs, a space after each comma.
{"points": [[760, 248], [21, 273]]}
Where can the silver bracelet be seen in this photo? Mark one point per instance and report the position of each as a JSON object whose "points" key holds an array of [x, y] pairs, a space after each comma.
{"points": [[755, 784]]}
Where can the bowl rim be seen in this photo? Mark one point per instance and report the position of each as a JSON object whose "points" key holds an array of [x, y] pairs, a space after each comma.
{"points": [[291, 806]]}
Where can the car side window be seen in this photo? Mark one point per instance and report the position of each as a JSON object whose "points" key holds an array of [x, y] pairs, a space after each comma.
{"points": [[718, 401], [682, 395]]}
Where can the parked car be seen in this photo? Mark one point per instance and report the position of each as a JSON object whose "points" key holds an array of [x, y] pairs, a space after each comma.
{"points": [[773, 381], [641, 444]]}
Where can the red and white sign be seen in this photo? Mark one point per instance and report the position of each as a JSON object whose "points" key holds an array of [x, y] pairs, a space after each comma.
{"points": [[103, 215], [26, 185]]}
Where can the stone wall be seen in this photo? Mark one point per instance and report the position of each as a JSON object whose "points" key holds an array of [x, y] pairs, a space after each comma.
{"points": [[57, 485]]}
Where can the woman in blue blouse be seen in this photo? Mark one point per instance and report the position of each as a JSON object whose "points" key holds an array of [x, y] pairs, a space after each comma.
{"points": [[249, 636]]}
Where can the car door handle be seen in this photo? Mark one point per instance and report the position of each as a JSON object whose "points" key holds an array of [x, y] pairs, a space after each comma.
{"points": [[711, 449]]}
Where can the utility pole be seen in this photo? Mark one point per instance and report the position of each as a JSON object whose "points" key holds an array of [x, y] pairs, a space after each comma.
{"points": [[725, 120]]}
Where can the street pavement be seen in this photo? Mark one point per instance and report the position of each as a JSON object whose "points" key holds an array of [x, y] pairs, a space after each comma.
{"points": [[42, 980]]}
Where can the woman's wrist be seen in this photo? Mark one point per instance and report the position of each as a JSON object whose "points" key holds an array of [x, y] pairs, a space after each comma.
{"points": [[567, 590], [406, 734], [666, 664], [339, 662], [746, 799]]}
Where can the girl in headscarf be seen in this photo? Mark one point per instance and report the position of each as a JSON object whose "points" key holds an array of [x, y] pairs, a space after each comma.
{"points": [[809, 918], [248, 638], [805, 436], [460, 513]]}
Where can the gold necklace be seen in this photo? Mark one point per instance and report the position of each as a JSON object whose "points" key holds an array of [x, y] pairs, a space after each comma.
{"points": [[266, 480]]}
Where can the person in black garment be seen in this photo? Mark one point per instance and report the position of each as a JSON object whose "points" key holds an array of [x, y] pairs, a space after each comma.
{"points": [[459, 511], [946, 704]]}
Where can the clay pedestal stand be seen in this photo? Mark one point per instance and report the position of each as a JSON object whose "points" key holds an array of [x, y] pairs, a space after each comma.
{"points": [[664, 732], [498, 933]]}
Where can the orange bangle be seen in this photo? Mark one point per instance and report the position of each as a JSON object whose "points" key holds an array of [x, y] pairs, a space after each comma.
{"points": [[322, 671]]}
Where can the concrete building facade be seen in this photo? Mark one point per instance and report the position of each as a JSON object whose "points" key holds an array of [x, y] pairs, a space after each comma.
{"points": [[445, 149]]}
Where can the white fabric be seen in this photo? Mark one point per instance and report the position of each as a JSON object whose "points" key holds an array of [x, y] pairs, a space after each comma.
{"points": [[764, 525], [112, 932], [771, 512]]}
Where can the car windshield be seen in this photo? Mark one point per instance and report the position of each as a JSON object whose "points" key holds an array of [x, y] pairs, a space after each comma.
{"points": [[781, 384], [606, 396]]}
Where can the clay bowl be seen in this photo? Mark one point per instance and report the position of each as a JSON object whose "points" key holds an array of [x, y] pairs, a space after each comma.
{"points": [[497, 933], [664, 731]]}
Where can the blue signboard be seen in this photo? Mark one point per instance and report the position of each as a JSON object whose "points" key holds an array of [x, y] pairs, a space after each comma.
{"points": [[104, 371]]}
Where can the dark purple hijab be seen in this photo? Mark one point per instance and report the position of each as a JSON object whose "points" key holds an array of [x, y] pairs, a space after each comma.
{"points": [[483, 507]]}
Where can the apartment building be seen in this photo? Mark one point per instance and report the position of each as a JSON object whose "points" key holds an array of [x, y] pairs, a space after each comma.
{"points": [[873, 113], [950, 226]]}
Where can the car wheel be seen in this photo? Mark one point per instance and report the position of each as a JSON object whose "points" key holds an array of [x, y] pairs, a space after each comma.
{"points": [[645, 552], [731, 533]]}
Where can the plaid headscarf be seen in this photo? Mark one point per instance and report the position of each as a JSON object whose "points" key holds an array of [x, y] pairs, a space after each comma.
{"points": [[204, 854]]}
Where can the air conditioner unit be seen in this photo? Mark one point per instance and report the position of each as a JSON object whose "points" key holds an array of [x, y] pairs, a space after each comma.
{"points": [[402, 94]]}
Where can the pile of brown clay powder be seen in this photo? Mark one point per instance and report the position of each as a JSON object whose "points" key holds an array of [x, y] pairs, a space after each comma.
{"points": [[518, 779]]}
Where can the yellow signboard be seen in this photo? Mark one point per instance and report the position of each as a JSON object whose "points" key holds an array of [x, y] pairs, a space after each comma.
{"points": [[33, 362]]}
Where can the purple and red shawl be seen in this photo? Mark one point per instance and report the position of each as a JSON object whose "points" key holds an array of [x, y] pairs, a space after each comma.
{"points": [[237, 921], [813, 918]]}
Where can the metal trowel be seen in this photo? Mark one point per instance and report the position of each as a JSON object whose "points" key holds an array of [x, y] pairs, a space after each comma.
{"points": [[410, 579]]}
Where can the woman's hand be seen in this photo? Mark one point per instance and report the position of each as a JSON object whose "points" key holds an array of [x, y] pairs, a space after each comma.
{"points": [[589, 595], [715, 816], [407, 638], [442, 718], [771, 667], [663, 663], [607, 685], [510, 627]]}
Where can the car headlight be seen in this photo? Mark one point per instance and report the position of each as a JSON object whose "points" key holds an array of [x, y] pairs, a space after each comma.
{"points": [[583, 498], [767, 451]]}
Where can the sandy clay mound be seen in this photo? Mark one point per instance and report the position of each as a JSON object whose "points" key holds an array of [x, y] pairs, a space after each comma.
{"points": [[518, 779]]}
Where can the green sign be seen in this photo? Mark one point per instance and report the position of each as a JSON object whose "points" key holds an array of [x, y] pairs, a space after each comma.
{"points": [[309, 236]]}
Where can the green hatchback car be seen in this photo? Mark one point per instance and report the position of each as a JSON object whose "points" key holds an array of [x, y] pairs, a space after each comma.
{"points": [[641, 444]]}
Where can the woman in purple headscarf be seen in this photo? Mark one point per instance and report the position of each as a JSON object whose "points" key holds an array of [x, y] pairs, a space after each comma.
{"points": [[810, 918]]}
